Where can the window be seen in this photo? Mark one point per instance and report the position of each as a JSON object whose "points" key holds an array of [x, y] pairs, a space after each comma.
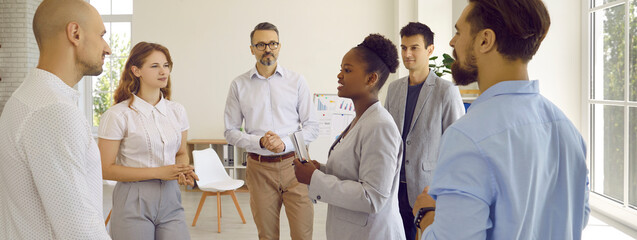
{"points": [[611, 99], [97, 91]]}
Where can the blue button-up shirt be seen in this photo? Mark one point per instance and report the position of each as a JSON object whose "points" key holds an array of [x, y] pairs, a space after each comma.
{"points": [[512, 168]]}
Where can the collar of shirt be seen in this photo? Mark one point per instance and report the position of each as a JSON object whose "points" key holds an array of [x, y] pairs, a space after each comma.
{"points": [[254, 73], [146, 108], [57, 84], [508, 87], [430, 80]]}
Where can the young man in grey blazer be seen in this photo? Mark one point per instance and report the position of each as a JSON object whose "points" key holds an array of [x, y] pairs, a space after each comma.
{"points": [[423, 105]]}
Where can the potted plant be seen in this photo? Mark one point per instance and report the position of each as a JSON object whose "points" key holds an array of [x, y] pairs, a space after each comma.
{"points": [[441, 68]]}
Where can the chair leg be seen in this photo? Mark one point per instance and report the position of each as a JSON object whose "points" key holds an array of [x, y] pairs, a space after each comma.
{"points": [[108, 218], [236, 203], [218, 212], [203, 199]]}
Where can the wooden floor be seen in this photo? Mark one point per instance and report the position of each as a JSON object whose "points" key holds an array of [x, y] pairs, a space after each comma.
{"points": [[233, 229]]}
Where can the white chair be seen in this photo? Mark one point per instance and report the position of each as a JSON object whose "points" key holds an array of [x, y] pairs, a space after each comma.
{"points": [[213, 179]]}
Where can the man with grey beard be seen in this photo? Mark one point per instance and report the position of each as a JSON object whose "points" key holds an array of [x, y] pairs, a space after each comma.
{"points": [[272, 101]]}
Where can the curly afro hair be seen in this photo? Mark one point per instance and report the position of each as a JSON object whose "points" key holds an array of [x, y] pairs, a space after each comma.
{"points": [[381, 56]]}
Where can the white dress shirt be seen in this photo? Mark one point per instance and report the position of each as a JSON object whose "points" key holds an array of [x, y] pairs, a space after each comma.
{"points": [[50, 168], [278, 103], [150, 135]]}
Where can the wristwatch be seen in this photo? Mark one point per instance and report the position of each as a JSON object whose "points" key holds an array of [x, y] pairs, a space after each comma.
{"points": [[421, 214]]}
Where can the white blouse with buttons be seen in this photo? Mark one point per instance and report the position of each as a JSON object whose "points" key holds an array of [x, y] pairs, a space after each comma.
{"points": [[150, 135]]}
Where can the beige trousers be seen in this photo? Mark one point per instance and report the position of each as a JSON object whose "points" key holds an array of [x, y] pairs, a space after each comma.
{"points": [[272, 184]]}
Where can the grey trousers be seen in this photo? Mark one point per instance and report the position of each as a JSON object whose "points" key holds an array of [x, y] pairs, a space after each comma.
{"points": [[148, 209]]}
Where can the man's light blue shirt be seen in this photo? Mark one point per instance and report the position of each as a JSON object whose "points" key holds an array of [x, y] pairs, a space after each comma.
{"points": [[514, 167]]}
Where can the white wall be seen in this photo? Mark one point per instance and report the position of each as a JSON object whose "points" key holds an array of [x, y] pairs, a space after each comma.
{"points": [[558, 63], [407, 11], [457, 7], [437, 14], [209, 42]]}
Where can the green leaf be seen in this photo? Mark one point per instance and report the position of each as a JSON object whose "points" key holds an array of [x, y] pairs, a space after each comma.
{"points": [[433, 58]]}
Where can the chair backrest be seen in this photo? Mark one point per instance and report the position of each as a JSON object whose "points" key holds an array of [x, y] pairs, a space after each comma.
{"points": [[208, 166]]}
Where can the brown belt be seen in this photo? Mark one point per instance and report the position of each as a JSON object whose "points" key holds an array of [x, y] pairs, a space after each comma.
{"points": [[278, 158]]}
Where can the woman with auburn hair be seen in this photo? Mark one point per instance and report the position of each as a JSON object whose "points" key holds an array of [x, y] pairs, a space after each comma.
{"points": [[142, 141]]}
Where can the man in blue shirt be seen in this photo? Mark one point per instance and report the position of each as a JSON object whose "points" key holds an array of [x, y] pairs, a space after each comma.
{"points": [[514, 166]]}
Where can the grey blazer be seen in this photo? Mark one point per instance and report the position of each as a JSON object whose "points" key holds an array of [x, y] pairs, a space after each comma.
{"points": [[439, 105], [360, 180]]}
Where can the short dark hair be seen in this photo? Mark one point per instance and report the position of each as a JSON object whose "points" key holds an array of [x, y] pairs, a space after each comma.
{"points": [[264, 26], [381, 56], [519, 25], [416, 28]]}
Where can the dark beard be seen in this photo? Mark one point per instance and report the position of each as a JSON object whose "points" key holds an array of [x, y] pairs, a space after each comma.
{"points": [[464, 76]]}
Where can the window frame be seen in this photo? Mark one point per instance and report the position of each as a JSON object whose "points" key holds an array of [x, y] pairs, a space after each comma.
{"points": [[620, 212], [86, 86]]}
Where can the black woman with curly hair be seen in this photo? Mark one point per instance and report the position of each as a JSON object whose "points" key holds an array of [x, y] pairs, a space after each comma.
{"points": [[360, 179]]}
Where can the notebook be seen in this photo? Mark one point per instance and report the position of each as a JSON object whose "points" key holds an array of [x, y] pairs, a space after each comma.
{"points": [[299, 144]]}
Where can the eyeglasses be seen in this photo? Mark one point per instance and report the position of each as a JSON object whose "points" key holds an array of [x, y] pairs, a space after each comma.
{"points": [[261, 46]]}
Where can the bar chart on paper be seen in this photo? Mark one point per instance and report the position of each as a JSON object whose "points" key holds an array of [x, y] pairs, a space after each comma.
{"points": [[334, 115], [346, 106], [322, 105]]}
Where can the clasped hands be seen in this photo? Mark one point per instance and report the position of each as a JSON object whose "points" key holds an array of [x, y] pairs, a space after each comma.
{"points": [[272, 142], [182, 172]]}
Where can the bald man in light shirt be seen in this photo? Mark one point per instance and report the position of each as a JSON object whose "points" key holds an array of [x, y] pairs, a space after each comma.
{"points": [[50, 169]]}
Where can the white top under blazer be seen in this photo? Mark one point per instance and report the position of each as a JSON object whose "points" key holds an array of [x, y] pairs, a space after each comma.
{"points": [[150, 135]]}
